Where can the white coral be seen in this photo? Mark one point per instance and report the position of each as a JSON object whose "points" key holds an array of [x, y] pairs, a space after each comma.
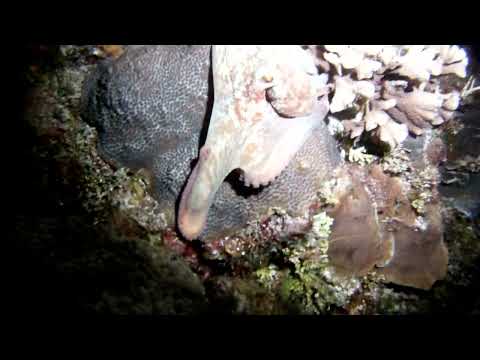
{"points": [[393, 112], [361, 58], [417, 62], [421, 103], [347, 90], [377, 116], [360, 156], [388, 130], [348, 57], [355, 126], [413, 61], [454, 59], [423, 61], [393, 133], [451, 101], [367, 68]]}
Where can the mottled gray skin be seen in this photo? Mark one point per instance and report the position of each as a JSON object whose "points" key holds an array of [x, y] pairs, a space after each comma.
{"points": [[151, 106]]}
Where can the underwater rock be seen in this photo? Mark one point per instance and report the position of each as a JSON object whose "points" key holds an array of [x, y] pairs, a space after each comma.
{"points": [[151, 108], [460, 186], [70, 267]]}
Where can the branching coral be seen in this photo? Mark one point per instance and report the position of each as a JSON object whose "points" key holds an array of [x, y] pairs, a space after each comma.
{"points": [[387, 131], [365, 60], [416, 62], [453, 58], [347, 91], [364, 80]]}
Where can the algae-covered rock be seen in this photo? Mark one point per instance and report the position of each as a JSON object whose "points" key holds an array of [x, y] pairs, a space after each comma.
{"points": [[72, 267], [81, 228]]}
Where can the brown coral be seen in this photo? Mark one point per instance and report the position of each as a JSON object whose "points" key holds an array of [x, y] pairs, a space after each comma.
{"points": [[421, 257], [355, 244], [375, 226]]}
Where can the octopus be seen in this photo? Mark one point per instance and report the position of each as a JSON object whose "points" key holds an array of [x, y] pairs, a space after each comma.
{"points": [[225, 132], [247, 131]]}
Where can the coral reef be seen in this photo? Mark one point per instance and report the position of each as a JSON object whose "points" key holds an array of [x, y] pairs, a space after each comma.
{"points": [[94, 237]]}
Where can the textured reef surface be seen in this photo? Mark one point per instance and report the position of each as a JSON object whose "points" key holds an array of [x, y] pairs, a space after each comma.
{"points": [[371, 209]]}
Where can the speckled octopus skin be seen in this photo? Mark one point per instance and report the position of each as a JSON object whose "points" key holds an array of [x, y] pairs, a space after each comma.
{"points": [[151, 105]]}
